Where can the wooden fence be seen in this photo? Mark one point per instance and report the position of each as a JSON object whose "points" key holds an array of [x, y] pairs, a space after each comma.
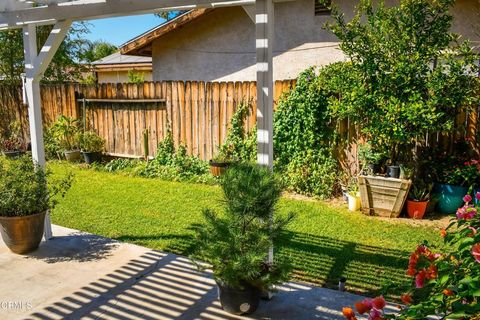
{"points": [[197, 113]]}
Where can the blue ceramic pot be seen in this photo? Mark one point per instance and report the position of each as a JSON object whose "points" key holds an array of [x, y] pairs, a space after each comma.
{"points": [[450, 198]]}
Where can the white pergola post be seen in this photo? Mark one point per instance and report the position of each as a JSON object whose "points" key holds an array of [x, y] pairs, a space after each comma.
{"points": [[264, 22], [35, 65]]}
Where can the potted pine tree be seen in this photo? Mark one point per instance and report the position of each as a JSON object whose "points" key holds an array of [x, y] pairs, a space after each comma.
{"points": [[236, 243], [92, 146], [26, 197]]}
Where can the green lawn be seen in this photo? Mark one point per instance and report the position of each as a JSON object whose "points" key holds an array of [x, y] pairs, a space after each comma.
{"points": [[324, 242]]}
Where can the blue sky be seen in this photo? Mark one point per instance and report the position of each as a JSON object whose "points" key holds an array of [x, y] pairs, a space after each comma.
{"points": [[119, 30]]}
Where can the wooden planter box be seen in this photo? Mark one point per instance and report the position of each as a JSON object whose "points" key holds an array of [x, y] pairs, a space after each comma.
{"points": [[383, 197]]}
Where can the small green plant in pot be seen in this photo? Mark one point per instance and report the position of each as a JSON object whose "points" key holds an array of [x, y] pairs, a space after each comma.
{"points": [[13, 145], [353, 195], [92, 146], [370, 159], [239, 145], [419, 197], [237, 242], [26, 197], [66, 131]]}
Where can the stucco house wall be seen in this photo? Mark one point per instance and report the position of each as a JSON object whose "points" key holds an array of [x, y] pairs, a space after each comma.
{"points": [[221, 45], [120, 76]]}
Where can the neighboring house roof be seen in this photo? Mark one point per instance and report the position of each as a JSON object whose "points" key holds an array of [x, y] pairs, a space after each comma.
{"points": [[121, 62], [142, 45]]}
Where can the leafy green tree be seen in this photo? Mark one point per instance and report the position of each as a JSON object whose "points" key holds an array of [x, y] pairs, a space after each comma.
{"points": [[408, 73], [65, 65], [304, 136], [135, 77], [96, 50]]}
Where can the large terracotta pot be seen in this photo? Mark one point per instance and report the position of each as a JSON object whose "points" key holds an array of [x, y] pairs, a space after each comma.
{"points": [[416, 209], [22, 234]]}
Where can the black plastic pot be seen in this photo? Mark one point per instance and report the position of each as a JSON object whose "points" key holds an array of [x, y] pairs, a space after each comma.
{"points": [[393, 172], [239, 301], [13, 154], [374, 168], [91, 157]]}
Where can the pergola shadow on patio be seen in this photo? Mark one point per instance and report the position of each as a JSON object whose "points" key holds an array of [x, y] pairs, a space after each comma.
{"points": [[82, 276]]}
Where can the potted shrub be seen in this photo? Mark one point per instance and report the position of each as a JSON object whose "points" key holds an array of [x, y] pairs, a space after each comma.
{"points": [[26, 197], [370, 159], [453, 184], [219, 164], [92, 146], [418, 201], [237, 242], [66, 131], [239, 145], [353, 195], [13, 146]]}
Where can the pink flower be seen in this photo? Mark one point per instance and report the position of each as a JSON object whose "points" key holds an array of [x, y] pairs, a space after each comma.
{"points": [[375, 314], [476, 252], [367, 303], [466, 212], [420, 279], [477, 196], [467, 198]]}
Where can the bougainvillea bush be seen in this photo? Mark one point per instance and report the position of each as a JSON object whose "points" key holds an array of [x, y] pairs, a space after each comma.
{"points": [[444, 282]]}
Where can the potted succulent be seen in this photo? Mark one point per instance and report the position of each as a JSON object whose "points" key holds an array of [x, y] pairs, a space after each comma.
{"points": [[13, 146], [417, 203], [26, 197], [236, 243], [92, 146], [66, 131], [353, 195]]}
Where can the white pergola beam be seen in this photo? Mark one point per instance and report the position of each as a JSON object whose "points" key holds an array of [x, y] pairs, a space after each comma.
{"points": [[96, 9], [50, 47]]}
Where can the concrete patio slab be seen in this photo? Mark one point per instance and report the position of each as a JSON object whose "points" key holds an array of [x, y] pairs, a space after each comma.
{"points": [[82, 276]]}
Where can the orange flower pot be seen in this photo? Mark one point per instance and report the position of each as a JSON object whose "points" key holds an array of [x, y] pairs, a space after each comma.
{"points": [[416, 209]]}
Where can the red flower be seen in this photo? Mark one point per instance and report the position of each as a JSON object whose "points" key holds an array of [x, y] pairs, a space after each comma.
{"points": [[432, 272], [411, 272], [443, 233], [476, 252], [378, 303], [448, 292], [406, 298], [348, 313], [477, 196], [361, 307]]}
